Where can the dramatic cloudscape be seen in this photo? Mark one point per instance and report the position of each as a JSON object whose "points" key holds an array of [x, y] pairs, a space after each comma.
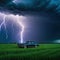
{"points": [[40, 19]]}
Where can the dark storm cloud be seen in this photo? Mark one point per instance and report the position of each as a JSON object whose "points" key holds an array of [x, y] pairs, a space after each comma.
{"points": [[42, 26], [30, 5]]}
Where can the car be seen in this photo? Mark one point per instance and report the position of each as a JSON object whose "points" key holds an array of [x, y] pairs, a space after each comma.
{"points": [[28, 44], [21, 45]]}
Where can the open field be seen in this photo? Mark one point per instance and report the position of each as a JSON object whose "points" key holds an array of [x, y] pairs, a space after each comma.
{"points": [[42, 52]]}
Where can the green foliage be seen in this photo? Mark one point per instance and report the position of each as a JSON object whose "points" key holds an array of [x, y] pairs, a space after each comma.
{"points": [[43, 52]]}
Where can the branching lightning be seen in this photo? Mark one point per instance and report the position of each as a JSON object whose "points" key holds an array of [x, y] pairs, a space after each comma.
{"points": [[20, 23], [4, 23], [17, 20]]}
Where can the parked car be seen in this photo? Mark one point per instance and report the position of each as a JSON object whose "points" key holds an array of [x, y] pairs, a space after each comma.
{"points": [[28, 44]]}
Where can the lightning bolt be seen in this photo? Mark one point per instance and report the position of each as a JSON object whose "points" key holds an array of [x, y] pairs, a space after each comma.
{"points": [[18, 21], [22, 32], [3, 23]]}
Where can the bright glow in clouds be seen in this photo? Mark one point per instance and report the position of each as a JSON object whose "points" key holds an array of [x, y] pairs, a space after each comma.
{"points": [[18, 19], [29, 2], [57, 41]]}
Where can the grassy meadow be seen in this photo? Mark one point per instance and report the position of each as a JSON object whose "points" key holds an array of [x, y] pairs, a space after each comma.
{"points": [[42, 52]]}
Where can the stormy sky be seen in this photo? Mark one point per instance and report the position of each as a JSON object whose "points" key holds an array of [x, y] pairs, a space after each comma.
{"points": [[42, 20]]}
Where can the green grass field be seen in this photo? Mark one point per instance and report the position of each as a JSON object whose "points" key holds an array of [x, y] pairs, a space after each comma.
{"points": [[42, 52]]}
